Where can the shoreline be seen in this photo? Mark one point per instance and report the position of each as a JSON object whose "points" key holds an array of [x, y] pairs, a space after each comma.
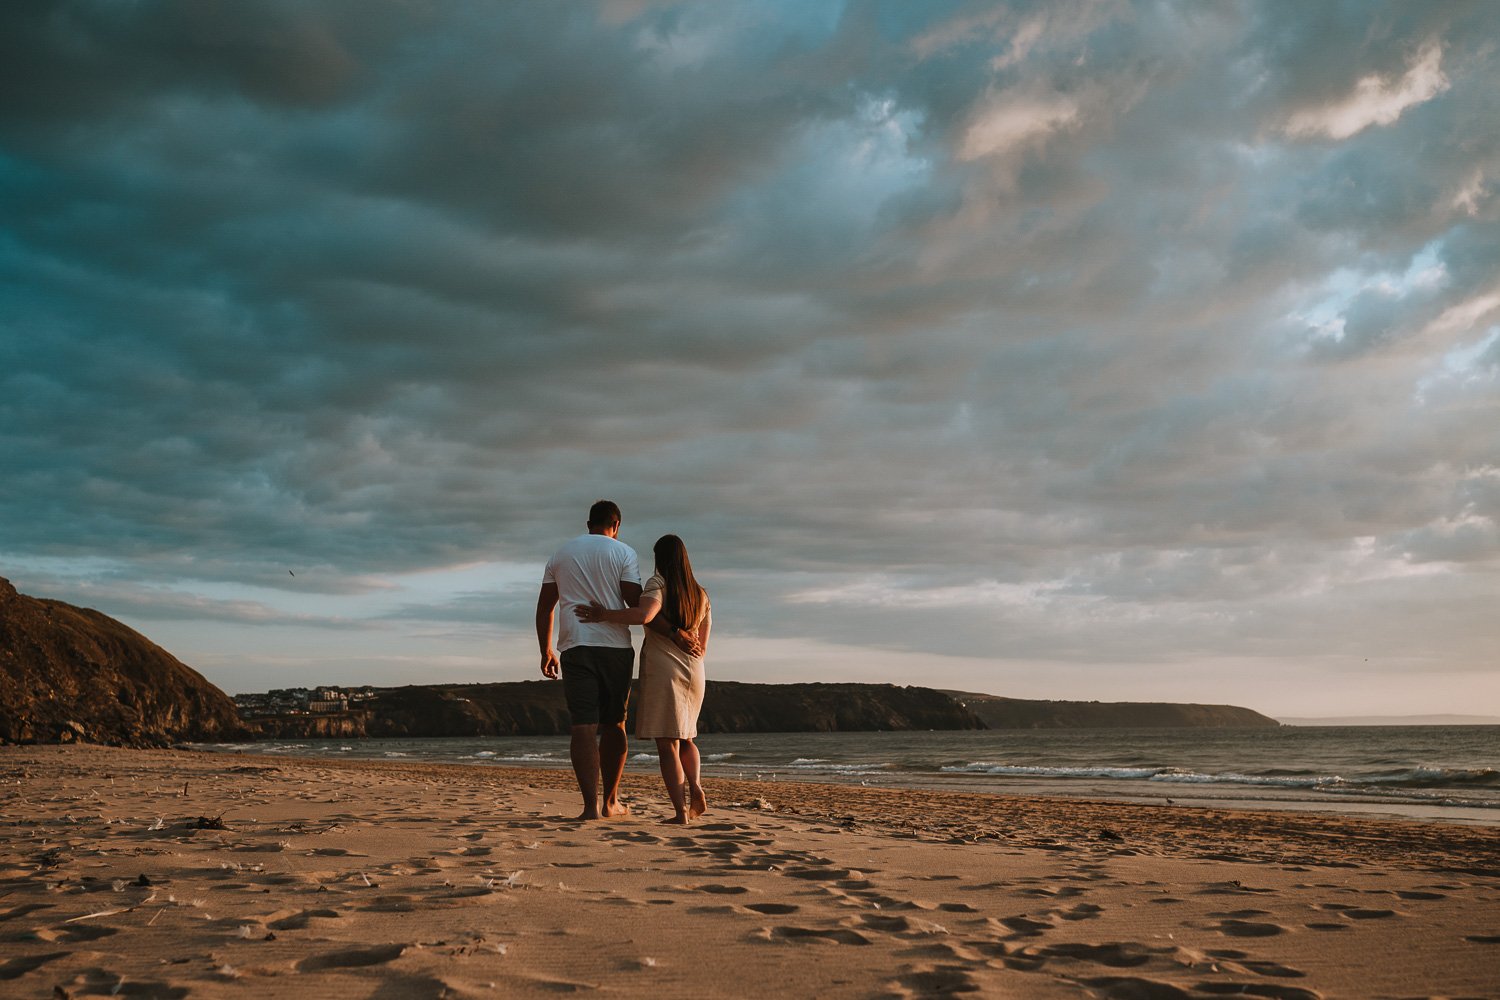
{"points": [[953, 816], [375, 878], [1214, 795]]}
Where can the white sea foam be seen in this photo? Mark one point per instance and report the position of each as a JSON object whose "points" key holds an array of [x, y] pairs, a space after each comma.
{"points": [[815, 766], [1234, 778]]}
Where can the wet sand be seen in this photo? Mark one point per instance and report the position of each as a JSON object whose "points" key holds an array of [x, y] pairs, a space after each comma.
{"points": [[374, 879]]}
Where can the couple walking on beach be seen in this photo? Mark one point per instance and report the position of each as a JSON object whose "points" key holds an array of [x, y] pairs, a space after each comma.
{"points": [[597, 581]]}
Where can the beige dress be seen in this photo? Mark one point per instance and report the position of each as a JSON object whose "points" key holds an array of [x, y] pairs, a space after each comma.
{"points": [[671, 681]]}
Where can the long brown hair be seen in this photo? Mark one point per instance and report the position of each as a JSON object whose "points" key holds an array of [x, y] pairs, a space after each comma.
{"points": [[683, 599]]}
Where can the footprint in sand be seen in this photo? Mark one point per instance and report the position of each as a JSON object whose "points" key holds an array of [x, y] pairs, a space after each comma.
{"points": [[76, 933], [96, 982], [773, 909], [1022, 926], [1231, 889], [390, 904], [635, 836], [936, 982], [721, 890], [1271, 991], [1118, 954], [352, 958], [838, 936], [278, 879], [1357, 912], [23, 910], [855, 884], [1241, 961], [1362, 913], [464, 892], [1132, 988], [906, 926], [18, 967], [561, 985], [824, 874], [1247, 928], [1060, 893], [297, 921]]}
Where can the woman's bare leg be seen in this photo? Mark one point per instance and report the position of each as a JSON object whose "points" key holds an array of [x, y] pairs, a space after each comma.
{"points": [[672, 776], [687, 752]]}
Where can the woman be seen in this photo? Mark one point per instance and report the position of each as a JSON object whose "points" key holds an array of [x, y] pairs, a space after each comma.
{"points": [[672, 678]]}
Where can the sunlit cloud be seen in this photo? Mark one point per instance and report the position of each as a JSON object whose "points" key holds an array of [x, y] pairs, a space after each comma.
{"points": [[1375, 100]]}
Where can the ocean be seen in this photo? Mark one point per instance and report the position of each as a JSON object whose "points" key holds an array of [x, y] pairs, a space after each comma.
{"points": [[1431, 772]]}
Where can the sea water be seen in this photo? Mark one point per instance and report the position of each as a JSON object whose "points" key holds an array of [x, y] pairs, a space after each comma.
{"points": [[1435, 772]]}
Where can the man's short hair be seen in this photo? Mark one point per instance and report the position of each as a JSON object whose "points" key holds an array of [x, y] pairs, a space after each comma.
{"points": [[604, 513]]}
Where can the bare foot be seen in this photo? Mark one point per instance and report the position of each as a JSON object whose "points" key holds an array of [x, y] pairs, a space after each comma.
{"points": [[587, 814], [697, 801], [616, 808], [678, 820]]}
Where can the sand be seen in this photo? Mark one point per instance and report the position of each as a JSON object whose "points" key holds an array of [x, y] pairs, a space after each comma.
{"points": [[388, 880]]}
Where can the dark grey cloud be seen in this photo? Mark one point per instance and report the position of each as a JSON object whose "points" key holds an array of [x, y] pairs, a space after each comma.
{"points": [[1128, 330]]}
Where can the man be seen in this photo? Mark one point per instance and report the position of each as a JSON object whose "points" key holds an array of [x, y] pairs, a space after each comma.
{"points": [[595, 659]]}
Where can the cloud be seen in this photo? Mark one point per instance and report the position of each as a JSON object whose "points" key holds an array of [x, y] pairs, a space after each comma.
{"points": [[1375, 100], [1081, 332]]}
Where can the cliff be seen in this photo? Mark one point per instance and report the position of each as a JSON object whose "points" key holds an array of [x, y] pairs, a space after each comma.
{"points": [[69, 673], [734, 707], [1017, 713], [536, 708]]}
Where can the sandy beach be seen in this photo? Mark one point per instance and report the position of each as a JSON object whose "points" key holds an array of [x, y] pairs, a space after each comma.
{"points": [[385, 880]]}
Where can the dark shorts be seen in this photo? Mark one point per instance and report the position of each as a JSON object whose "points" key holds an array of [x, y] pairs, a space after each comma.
{"points": [[596, 683]]}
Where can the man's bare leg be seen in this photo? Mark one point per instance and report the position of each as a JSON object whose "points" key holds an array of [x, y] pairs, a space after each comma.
{"points": [[612, 748], [672, 777], [583, 748], [687, 752]]}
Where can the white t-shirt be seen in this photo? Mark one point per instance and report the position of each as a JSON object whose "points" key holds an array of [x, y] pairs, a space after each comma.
{"points": [[591, 568]]}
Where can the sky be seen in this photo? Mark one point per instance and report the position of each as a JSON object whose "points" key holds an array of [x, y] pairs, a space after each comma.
{"points": [[1075, 350]]}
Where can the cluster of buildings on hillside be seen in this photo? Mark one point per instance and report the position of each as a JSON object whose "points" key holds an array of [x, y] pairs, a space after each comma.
{"points": [[303, 701]]}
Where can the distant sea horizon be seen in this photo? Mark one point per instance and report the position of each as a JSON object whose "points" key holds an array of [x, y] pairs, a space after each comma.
{"points": [[1438, 719]]}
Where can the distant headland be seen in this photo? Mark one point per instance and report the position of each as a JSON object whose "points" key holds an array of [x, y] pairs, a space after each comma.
{"points": [[75, 674]]}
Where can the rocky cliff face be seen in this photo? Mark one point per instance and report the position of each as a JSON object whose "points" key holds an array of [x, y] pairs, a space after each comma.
{"points": [[69, 673], [1018, 713]]}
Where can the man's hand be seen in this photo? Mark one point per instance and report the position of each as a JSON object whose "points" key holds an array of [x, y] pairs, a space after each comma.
{"points": [[687, 641], [546, 603]]}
